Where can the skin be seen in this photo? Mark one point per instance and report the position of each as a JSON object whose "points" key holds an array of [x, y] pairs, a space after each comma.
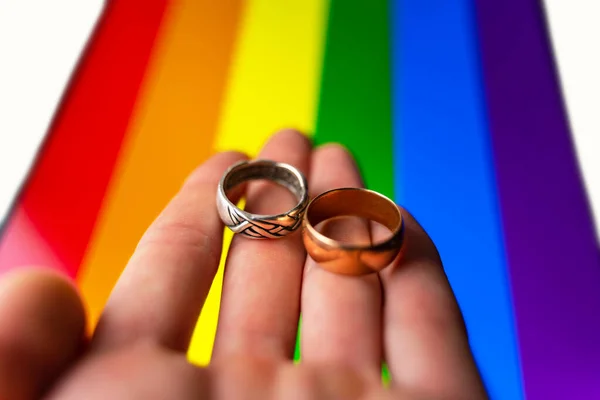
{"points": [[406, 315]]}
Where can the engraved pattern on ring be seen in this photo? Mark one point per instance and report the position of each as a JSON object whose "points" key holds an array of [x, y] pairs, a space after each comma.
{"points": [[264, 228]]}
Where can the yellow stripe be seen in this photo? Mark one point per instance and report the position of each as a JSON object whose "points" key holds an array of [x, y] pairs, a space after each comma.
{"points": [[274, 84], [203, 338], [276, 72], [172, 132]]}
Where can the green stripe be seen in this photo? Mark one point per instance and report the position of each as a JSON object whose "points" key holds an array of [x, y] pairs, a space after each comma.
{"points": [[297, 349], [355, 99]]}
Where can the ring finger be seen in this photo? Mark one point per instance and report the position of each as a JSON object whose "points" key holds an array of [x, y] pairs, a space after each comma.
{"points": [[341, 315]]}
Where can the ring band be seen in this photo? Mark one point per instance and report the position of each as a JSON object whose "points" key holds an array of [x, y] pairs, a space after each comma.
{"points": [[262, 226], [345, 258]]}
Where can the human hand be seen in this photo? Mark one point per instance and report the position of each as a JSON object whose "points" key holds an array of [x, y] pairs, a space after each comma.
{"points": [[406, 315]]}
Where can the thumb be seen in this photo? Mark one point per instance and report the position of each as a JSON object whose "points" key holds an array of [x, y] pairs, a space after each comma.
{"points": [[42, 324]]}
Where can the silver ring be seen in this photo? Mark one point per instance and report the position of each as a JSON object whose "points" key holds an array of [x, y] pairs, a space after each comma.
{"points": [[262, 226]]}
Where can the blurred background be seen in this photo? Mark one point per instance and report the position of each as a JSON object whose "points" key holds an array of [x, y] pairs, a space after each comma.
{"points": [[480, 117]]}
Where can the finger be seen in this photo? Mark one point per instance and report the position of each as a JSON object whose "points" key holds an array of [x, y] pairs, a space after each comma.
{"points": [[341, 315], [261, 289], [425, 339], [161, 291], [42, 326]]}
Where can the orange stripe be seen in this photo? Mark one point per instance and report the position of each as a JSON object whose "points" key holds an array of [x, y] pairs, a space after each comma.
{"points": [[172, 132]]}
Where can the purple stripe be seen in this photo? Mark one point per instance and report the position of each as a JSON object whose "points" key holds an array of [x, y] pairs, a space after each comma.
{"points": [[553, 256]]}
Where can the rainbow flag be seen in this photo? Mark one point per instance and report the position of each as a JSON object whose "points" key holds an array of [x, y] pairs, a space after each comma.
{"points": [[452, 108]]}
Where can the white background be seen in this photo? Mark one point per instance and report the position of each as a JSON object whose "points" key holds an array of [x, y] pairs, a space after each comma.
{"points": [[41, 40], [40, 43]]}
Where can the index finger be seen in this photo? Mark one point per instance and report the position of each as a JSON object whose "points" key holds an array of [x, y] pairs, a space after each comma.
{"points": [[162, 290], [425, 339]]}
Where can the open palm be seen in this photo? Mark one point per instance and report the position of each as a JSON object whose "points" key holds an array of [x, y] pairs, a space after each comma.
{"points": [[406, 315]]}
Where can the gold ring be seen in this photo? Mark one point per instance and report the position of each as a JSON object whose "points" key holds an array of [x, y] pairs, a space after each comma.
{"points": [[345, 258]]}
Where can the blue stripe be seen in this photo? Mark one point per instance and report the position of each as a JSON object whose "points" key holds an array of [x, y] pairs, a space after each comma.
{"points": [[445, 174]]}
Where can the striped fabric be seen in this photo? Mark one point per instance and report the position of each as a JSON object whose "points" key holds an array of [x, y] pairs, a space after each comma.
{"points": [[453, 108]]}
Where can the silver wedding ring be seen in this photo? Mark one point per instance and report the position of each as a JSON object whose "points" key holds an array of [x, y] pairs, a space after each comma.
{"points": [[262, 226]]}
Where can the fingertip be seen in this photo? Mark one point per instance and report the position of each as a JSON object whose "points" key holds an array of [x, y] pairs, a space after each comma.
{"points": [[290, 138], [212, 169], [292, 134], [333, 166], [42, 327], [334, 147], [39, 301], [336, 153], [223, 160], [34, 286], [232, 154]]}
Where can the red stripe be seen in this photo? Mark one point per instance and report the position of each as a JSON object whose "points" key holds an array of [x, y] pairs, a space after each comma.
{"points": [[66, 187]]}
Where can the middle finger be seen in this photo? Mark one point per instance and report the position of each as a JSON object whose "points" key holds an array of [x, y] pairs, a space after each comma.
{"points": [[261, 288]]}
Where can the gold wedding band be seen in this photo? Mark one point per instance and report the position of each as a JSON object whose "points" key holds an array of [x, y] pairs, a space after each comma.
{"points": [[345, 258]]}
